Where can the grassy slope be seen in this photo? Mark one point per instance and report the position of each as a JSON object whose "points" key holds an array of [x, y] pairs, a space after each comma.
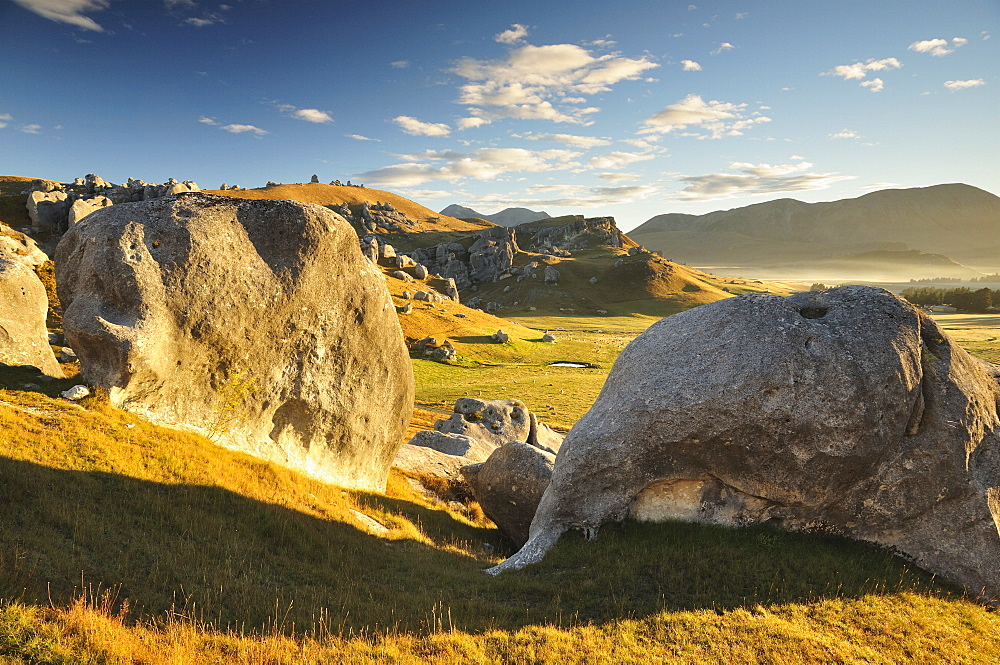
{"points": [[191, 534]]}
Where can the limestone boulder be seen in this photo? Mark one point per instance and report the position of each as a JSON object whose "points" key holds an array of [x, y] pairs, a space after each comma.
{"points": [[497, 422], [259, 323], [16, 246], [509, 485], [440, 454], [83, 207], [48, 210], [844, 411], [23, 306]]}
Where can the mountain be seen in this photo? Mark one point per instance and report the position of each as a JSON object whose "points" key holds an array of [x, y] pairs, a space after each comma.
{"points": [[506, 217], [956, 220]]}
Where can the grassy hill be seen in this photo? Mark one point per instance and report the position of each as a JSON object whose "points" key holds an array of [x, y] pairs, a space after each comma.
{"points": [[957, 220], [125, 542]]}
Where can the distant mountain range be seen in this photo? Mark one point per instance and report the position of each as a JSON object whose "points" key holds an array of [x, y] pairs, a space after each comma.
{"points": [[915, 231], [506, 217]]}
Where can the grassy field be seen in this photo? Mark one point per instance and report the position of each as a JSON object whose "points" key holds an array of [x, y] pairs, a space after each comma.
{"points": [[979, 334], [126, 542]]}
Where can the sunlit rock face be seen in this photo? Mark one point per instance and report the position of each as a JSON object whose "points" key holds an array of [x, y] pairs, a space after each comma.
{"points": [[844, 410], [257, 322]]}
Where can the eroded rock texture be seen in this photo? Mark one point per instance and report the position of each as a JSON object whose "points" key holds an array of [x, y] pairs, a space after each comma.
{"points": [[258, 322], [844, 410]]}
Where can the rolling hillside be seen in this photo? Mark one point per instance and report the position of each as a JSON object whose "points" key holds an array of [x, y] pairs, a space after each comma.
{"points": [[955, 220]]}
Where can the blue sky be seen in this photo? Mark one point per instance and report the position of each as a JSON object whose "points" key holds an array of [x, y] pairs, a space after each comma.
{"points": [[629, 109]]}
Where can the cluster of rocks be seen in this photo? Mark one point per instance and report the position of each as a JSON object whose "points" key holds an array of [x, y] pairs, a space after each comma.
{"points": [[579, 234], [488, 259], [490, 443], [341, 184], [851, 412], [247, 320], [54, 207], [230, 188], [375, 218], [431, 348], [379, 252]]}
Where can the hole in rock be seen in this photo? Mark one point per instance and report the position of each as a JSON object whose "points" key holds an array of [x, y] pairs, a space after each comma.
{"points": [[814, 312]]}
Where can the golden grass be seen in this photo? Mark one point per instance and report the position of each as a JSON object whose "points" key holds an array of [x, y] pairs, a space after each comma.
{"points": [[327, 195]]}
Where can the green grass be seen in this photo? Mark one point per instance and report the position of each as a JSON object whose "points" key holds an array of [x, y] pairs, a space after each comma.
{"points": [[125, 537]]}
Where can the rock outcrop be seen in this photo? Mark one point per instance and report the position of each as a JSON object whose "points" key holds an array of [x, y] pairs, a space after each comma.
{"points": [[23, 337], [258, 322], [481, 426], [844, 411], [21, 248]]}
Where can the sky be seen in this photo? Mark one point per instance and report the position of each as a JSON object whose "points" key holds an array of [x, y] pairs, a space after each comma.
{"points": [[629, 109]]}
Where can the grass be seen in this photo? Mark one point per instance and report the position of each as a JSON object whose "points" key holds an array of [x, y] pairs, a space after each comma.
{"points": [[133, 543]]}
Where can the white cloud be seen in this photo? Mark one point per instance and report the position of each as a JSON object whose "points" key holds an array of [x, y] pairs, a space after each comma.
{"points": [[359, 137], [618, 159], [613, 176], [312, 115], [585, 142], [199, 22], [741, 15], [986, 36], [572, 196], [309, 115], [859, 70], [690, 66], [959, 85], [724, 46], [845, 134], [415, 127], [719, 119], [400, 64], [755, 180], [242, 129], [938, 47], [31, 129], [4, 119], [516, 33], [472, 122], [537, 82], [875, 85], [481, 164], [67, 11], [208, 121]]}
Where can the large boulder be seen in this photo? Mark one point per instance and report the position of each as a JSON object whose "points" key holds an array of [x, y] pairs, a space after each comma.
{"points": [[258, 322], [48, 210], [23, 306], [83, 207], [844, 411], [497, 422], [509, 485], [16, 246], [440, 454]]}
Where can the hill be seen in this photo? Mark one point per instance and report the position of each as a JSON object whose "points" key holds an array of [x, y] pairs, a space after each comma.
{"points": [[956, 220], [643, 284], [425, 219], [506, 217]]}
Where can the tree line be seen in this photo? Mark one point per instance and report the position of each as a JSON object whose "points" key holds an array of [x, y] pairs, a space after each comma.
{"points": [[979, 301]]}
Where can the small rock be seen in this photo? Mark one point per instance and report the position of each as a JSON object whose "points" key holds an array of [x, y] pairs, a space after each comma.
{"points": [[67, 355], [76, 393]]}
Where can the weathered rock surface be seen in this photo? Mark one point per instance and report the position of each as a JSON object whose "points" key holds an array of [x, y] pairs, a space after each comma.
{"points": [[256, 321], [48, 210], [487, 424], [509, 485], [16, 246], [843, 410], [23, 305], [440, 454]]}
